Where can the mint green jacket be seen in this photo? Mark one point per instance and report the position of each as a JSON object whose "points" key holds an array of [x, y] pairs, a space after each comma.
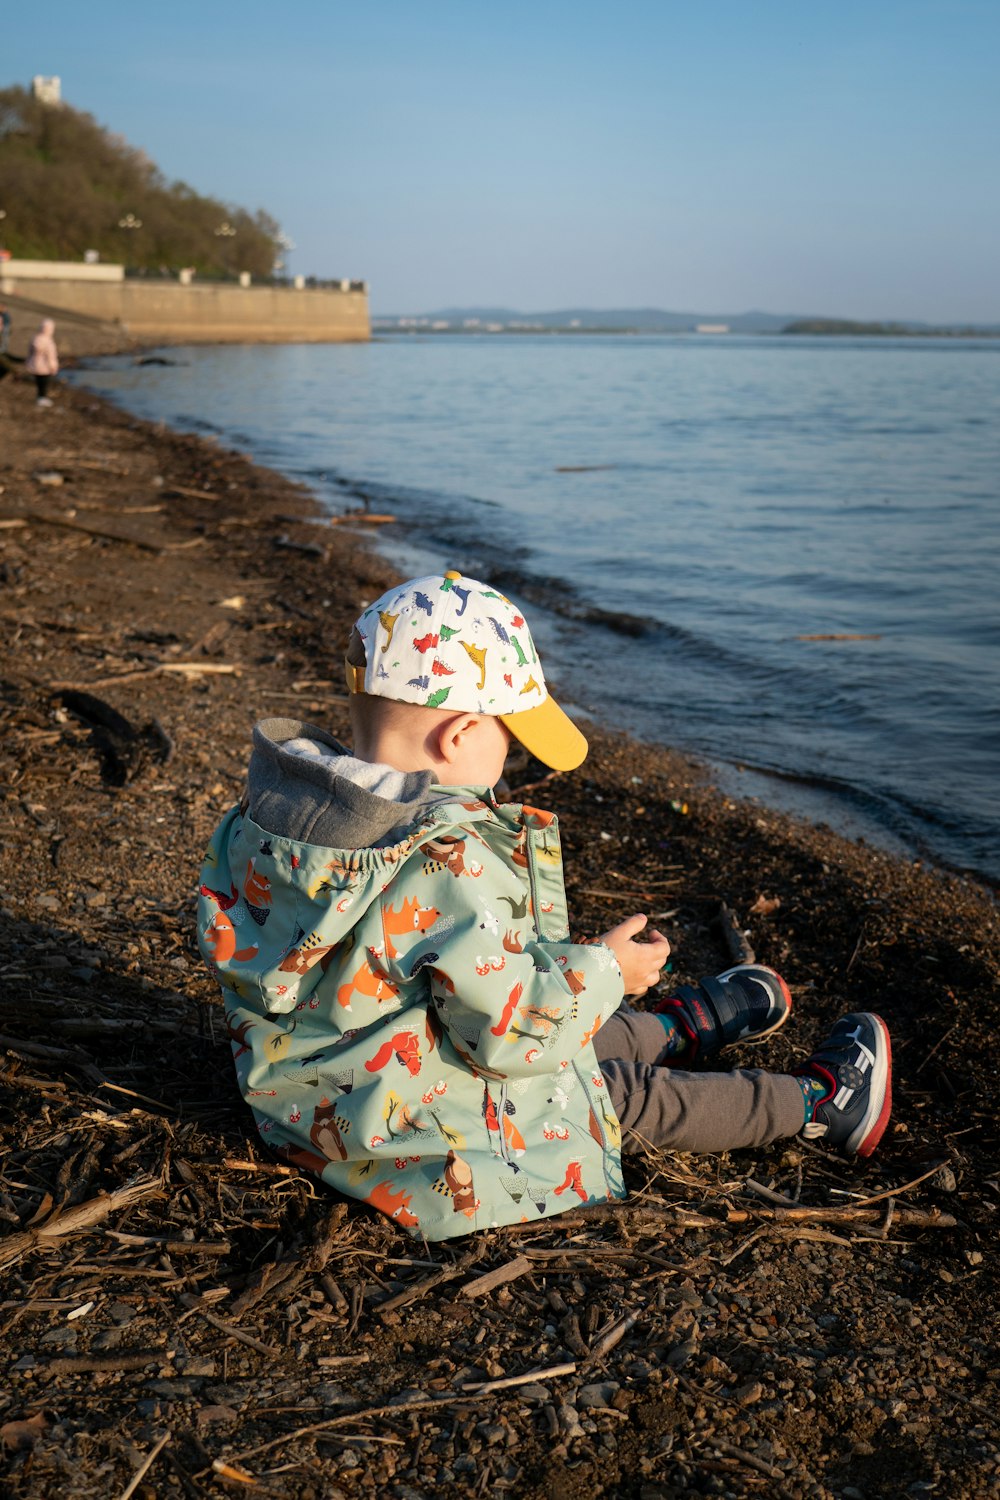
{"points": [[411, 1021]]}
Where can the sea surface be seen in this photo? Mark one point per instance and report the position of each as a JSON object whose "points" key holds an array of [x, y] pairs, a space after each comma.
{"points": [[680, 514]]}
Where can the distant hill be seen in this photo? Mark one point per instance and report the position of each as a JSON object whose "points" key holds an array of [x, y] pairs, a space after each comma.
{"points": [[657, 320], [68, 185], [633, 319]]}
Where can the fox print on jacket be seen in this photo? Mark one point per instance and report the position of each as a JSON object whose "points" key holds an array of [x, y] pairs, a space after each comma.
{"points": [[407, 1016]]}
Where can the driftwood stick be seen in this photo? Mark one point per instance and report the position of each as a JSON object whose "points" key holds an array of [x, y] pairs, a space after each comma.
{"points": [[751, 1461], [446, 1273], [42, 1051], [362, 518], [334, 1295], [411, 1293], [270, 1169], [737, 943], [895, 1192], [521, 1265], [185, 669], [612, 1337], [77, 1220], [170, 1244], [182, 489], [98, 531], [911, 1218], [361, 1416], [769, 1195], [87, 1365], [657, 1218]]}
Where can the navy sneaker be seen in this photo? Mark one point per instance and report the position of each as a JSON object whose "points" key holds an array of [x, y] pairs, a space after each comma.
{"points": [[854, 1067], [744, 1004]]}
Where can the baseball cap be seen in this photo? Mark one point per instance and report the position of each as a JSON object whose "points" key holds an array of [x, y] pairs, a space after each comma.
{"points": [[447, 641]]}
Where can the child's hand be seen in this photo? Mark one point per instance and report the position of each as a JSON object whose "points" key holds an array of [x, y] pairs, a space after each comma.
{"points": [[640, 963]]}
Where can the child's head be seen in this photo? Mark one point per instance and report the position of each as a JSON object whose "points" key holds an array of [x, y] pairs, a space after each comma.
{"points": [[442, 672]]}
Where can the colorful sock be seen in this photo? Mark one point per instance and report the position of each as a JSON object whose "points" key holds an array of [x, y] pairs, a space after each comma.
{"points": [[677, 1041], [813, 1090]]}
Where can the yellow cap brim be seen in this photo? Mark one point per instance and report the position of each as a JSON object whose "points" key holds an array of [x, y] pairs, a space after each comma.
{"points": [[549, 734]]}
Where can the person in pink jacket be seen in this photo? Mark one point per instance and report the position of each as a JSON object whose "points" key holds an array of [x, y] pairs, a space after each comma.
{"points": [[43, 360]]}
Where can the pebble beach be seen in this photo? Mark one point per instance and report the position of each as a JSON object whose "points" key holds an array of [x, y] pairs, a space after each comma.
{"points": [[778, 1323]]}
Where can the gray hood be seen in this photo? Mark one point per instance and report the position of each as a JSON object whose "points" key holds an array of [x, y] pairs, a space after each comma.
{"points": [[304, 785]]}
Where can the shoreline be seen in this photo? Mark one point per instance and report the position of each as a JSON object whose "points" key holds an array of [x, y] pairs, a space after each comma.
{"points": [[847, 808], [155, 567]]}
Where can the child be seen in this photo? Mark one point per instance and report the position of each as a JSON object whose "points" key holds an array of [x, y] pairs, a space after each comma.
{"points": [[409, 1018], [43, 361]]}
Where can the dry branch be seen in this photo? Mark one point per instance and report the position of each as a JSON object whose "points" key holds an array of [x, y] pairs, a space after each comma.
{"points": [[77, 1220]]}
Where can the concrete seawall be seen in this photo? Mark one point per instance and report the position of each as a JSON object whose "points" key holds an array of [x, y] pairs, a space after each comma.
{"points": [[164, 312]]}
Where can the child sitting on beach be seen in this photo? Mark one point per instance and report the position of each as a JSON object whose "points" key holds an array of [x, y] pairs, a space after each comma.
{"points": [[409, 1018]]}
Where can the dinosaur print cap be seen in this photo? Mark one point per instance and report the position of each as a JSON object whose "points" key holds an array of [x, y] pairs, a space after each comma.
{"points": [[452, 642]]}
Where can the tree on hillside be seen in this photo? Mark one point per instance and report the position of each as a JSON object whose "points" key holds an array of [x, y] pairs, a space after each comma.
{"points": [[68, 185]]}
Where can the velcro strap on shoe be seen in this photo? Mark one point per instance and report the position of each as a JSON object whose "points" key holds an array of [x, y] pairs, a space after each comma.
{"points": [[718, 1013], [700, 1014]]}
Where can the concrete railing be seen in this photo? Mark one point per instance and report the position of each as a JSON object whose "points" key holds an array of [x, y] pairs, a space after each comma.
{"points": [[160, 310]]}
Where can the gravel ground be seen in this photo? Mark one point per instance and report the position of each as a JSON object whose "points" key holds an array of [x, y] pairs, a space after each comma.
{"points": [[182, 1316]]}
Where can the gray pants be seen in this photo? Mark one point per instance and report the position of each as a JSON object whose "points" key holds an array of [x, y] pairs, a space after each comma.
{"points": [[705, 1112]]}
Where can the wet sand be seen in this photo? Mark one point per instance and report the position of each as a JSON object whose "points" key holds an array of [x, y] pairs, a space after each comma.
{"points": [[156, 600]]}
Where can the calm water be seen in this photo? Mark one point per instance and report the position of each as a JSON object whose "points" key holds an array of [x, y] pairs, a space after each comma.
{"points": [[742, 493]]}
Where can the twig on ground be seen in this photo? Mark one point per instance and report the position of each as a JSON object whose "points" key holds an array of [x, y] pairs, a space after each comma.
{"points": [[750, 1460], [193, 1305], [485, 1388], [141, 1472]]}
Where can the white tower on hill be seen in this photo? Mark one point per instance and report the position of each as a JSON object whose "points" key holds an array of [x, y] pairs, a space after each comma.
{"points": [[46, 90]]}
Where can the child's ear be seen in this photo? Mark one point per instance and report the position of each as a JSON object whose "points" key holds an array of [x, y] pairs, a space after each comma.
{"points": [[451, 736]]}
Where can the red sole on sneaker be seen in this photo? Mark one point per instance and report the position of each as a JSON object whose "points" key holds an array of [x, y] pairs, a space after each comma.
{"points": [[877, 1130]]}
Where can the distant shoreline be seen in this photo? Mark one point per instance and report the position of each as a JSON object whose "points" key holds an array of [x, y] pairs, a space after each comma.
{"points": [[806, 329]]}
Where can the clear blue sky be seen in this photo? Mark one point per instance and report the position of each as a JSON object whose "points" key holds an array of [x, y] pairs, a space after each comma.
{"points": [[827, 156]]}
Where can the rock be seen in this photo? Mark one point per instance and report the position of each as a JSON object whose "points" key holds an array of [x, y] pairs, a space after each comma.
{"points": [[209, 1415], [108, 1338], [179, 1390], [569, 1422], [944, 1180], [150, 1407], [491, 1433], [597, 1396], [748, 1394]]}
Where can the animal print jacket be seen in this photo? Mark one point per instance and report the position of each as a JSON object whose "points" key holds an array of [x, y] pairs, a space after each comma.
{"points": [[408, 1017]]}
